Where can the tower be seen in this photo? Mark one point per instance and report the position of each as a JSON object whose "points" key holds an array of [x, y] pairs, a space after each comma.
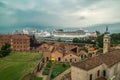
{"points": [[106, 41]]}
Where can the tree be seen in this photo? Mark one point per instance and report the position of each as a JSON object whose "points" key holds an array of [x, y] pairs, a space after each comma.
{"points": [[59, 40], [115, 38], [5, 50], [98, 33], [99, 41], [75, 40], [86, 49]]}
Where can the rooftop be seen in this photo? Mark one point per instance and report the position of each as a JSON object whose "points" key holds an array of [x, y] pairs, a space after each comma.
{"points": [[14, 36], [109, 59]]}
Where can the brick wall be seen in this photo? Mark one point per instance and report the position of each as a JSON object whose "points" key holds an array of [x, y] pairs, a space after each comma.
{"points": [[18, 42]]}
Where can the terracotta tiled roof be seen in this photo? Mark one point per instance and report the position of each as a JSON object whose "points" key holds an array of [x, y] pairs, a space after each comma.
{"points": [[91, 49], [5, 36], [82, 52], [20, 37], [88, 63], [59, 44], [109, 59], [44, 47], [51, 48], [14, 37]]}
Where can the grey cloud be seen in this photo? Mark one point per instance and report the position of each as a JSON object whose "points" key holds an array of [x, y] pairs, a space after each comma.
{"points": [[81, 18], [58, 12]]}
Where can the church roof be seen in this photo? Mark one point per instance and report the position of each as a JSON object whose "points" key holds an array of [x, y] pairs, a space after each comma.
{"points": [[108, 59]]}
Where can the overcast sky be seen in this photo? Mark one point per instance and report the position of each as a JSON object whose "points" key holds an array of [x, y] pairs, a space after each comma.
{"points": [[69, 13]]}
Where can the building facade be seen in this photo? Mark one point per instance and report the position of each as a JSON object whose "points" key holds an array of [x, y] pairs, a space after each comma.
{"points": [[17, 42], [102, 67], [61, 52]]}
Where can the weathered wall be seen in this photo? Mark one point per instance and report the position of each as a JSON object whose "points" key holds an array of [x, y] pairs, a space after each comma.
{"points": [[114, 72], [57, 55], [94, 72], [70, 56], [78, 74]]}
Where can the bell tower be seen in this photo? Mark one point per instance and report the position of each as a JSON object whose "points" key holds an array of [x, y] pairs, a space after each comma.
{"points": [[106, 41]]}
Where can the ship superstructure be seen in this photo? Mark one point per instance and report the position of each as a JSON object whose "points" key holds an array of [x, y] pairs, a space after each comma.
{"points": [[59, 33], [73, 34]]}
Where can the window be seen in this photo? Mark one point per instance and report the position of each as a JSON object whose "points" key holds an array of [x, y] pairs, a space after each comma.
{"points": [[75, 60], [47, 58], [104, 73], [70, 59], [90, 77], [59, 59], [81, 56], [98, 73]]}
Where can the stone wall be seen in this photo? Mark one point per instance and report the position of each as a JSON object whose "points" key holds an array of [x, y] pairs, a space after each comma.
{"points": [[78, 74], [95, 71], [114, 72], [60, 76], [38, 67], [81, 74]]}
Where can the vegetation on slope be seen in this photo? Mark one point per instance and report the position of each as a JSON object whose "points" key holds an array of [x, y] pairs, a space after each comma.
{"points": [[17, 65]]}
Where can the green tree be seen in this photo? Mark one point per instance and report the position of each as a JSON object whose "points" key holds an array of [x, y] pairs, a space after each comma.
{"points": [[59, 40], [115, 38], [86, 49], [98, 33], [5, 50], [99, 41], [76, 40]]}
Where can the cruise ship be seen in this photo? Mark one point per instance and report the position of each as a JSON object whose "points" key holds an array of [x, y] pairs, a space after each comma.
{"points": [[59, 33], [42, 34], [73, 34]]}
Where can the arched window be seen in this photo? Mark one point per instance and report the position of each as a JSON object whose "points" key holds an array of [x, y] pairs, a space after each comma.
{"points": [[90, 77], [59, 59], [98, 73], [104, 73], [47, 58], [75, 60], [70, 59]]}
